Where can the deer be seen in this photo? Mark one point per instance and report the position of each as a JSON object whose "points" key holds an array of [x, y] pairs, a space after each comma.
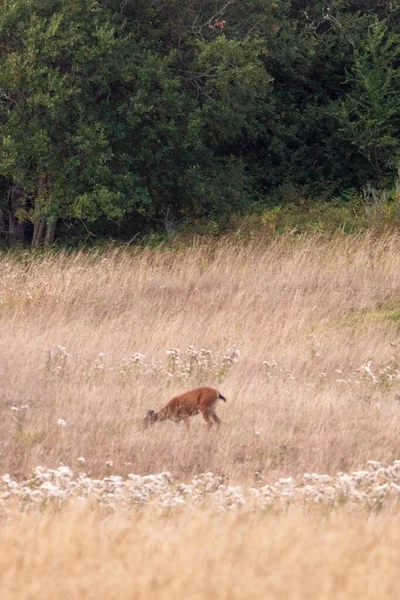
{"points": [[181, 408]]}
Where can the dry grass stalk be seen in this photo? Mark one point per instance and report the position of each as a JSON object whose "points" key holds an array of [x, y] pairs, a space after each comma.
{"points": [[306, 313], [83, 554]]}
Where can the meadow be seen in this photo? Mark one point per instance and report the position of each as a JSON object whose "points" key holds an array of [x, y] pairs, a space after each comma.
{"points": [[295, 496]]}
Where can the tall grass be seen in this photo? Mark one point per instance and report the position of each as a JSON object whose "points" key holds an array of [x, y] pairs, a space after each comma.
{"points": [[305, 313], [83, 555], [89, 343]]}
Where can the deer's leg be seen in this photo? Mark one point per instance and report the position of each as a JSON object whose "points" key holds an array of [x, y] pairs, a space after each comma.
{"points": [[216, 419], [187, 423], [206, 414]]}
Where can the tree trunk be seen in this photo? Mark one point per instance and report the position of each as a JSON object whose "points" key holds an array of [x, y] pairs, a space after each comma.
{"points": [[43, 234], [38, 232], [1, 221], [20, 231], [374, 201], [16, 228], [50, 233], [398, 192], [39, 225]]}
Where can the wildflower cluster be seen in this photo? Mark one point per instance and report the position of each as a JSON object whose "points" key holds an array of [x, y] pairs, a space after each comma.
{"points": [[200, 363], [371, 487], [134, 365], [273, 371], [179, 365], [57, 360], [20, 409], [99, 364], [182, 365], [19, 413], [60, 485], [386, 375]]}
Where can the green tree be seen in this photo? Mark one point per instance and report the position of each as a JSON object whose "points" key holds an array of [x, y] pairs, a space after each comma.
{"points": [[106, 111], [61, 70], [335, 114], [367, 118]]}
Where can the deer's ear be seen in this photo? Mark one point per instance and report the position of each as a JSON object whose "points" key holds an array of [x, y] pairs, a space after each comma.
{"points": [[150, 413]]}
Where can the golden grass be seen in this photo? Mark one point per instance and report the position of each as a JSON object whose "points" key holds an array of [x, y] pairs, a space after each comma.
{"points": [[81, 555], [286, 302], [291, 301]]}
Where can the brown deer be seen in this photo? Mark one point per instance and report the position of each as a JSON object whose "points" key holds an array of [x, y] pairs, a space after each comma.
{"points": [[186, 405]]}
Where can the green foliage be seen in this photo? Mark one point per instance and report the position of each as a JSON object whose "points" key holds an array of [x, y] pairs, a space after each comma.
{"points": [[336, 82], [135, 116], [58, 128], [368, 117], [347, 215], [97, 122], [388, 311]]}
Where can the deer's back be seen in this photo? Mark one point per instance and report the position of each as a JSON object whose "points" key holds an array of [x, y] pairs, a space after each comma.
{"points": [[191, 402]]}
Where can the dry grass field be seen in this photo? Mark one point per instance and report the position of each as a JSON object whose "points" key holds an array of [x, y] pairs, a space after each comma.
{"points": [[89, 343], [315, 310], [231, 557]]}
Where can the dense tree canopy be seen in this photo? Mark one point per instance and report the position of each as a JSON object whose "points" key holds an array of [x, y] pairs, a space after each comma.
{"points": [[169, 111]]}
